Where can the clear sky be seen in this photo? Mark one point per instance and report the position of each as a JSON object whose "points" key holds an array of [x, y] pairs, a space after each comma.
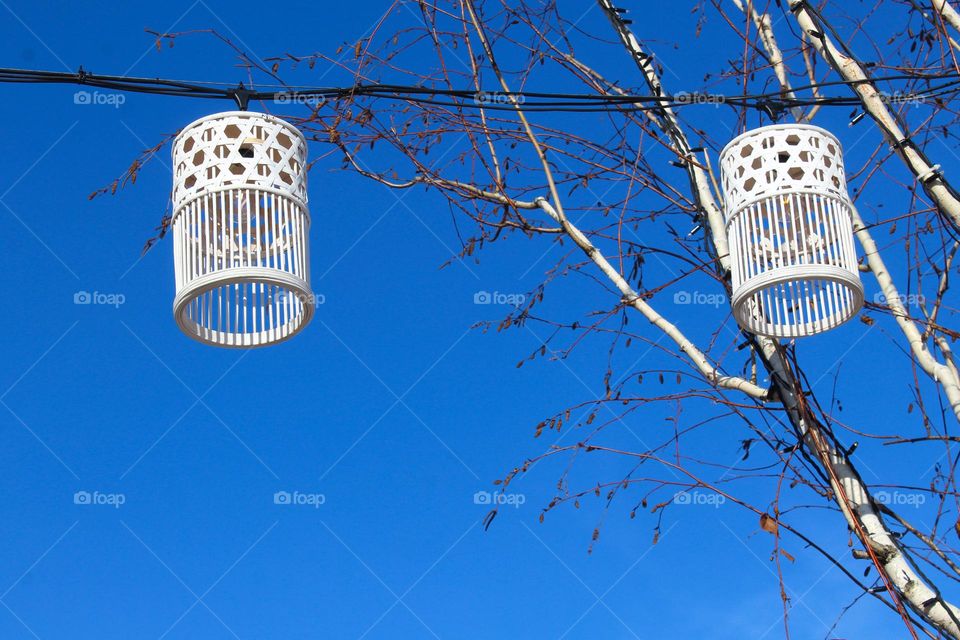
{"points": [[388, 406]]}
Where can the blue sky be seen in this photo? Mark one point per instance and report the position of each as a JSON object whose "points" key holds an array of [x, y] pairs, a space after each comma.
{"points": [[388, 405]]}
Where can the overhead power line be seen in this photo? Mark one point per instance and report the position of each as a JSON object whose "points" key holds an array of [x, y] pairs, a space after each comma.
{"points": [[938, 86]]}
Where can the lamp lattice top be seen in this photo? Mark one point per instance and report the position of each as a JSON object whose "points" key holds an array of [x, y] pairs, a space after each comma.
{"points": [[236, 149], [781, 158]]}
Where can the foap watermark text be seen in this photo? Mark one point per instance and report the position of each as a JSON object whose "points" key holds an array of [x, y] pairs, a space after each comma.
{"points": [[299, 499], [100, 298], [907, 300], [699, 298], [699, 499], [497, 297], [97, 498], [900, 498], [499, 499], [99, 98]]}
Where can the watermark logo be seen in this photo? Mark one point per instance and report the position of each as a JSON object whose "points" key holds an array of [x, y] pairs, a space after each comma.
{"points": [[97, 297], [314, 299], [699, 298], [298, 498], [496, 297], [902, 97], [911, 300], [686, 97], [496, 97], [699, 498], [498, 499], [99, 98], [900, 498], [96, 498], [292, 97]]}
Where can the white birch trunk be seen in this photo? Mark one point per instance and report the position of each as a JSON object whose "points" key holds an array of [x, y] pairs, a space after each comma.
{"points": [[850, 493], [873, 104]]}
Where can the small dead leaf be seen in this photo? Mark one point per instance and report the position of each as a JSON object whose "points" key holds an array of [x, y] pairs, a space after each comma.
{"points": [[488, 520], [768, 524]]}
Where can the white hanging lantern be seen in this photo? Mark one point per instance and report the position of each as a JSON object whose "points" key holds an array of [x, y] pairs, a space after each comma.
{"points": [[241, 230], [793, 262]]}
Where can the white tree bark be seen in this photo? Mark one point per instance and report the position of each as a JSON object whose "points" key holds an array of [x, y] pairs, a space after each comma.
{"points": [[944, 375], [699, 182], [631, 297], [949, 14], [850, 493], [873, 104], [765, 29], [859, 510]]}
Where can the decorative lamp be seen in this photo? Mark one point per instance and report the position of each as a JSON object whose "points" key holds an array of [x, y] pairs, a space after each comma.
{"points": [[241, 230], [794, 267]]}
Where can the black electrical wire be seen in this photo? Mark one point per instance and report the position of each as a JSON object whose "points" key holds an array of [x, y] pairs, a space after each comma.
{"points": [[497, 100]]}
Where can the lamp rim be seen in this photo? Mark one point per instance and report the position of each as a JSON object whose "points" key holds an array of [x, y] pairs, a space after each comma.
{"points": [[797, 274], [236, 275]]}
